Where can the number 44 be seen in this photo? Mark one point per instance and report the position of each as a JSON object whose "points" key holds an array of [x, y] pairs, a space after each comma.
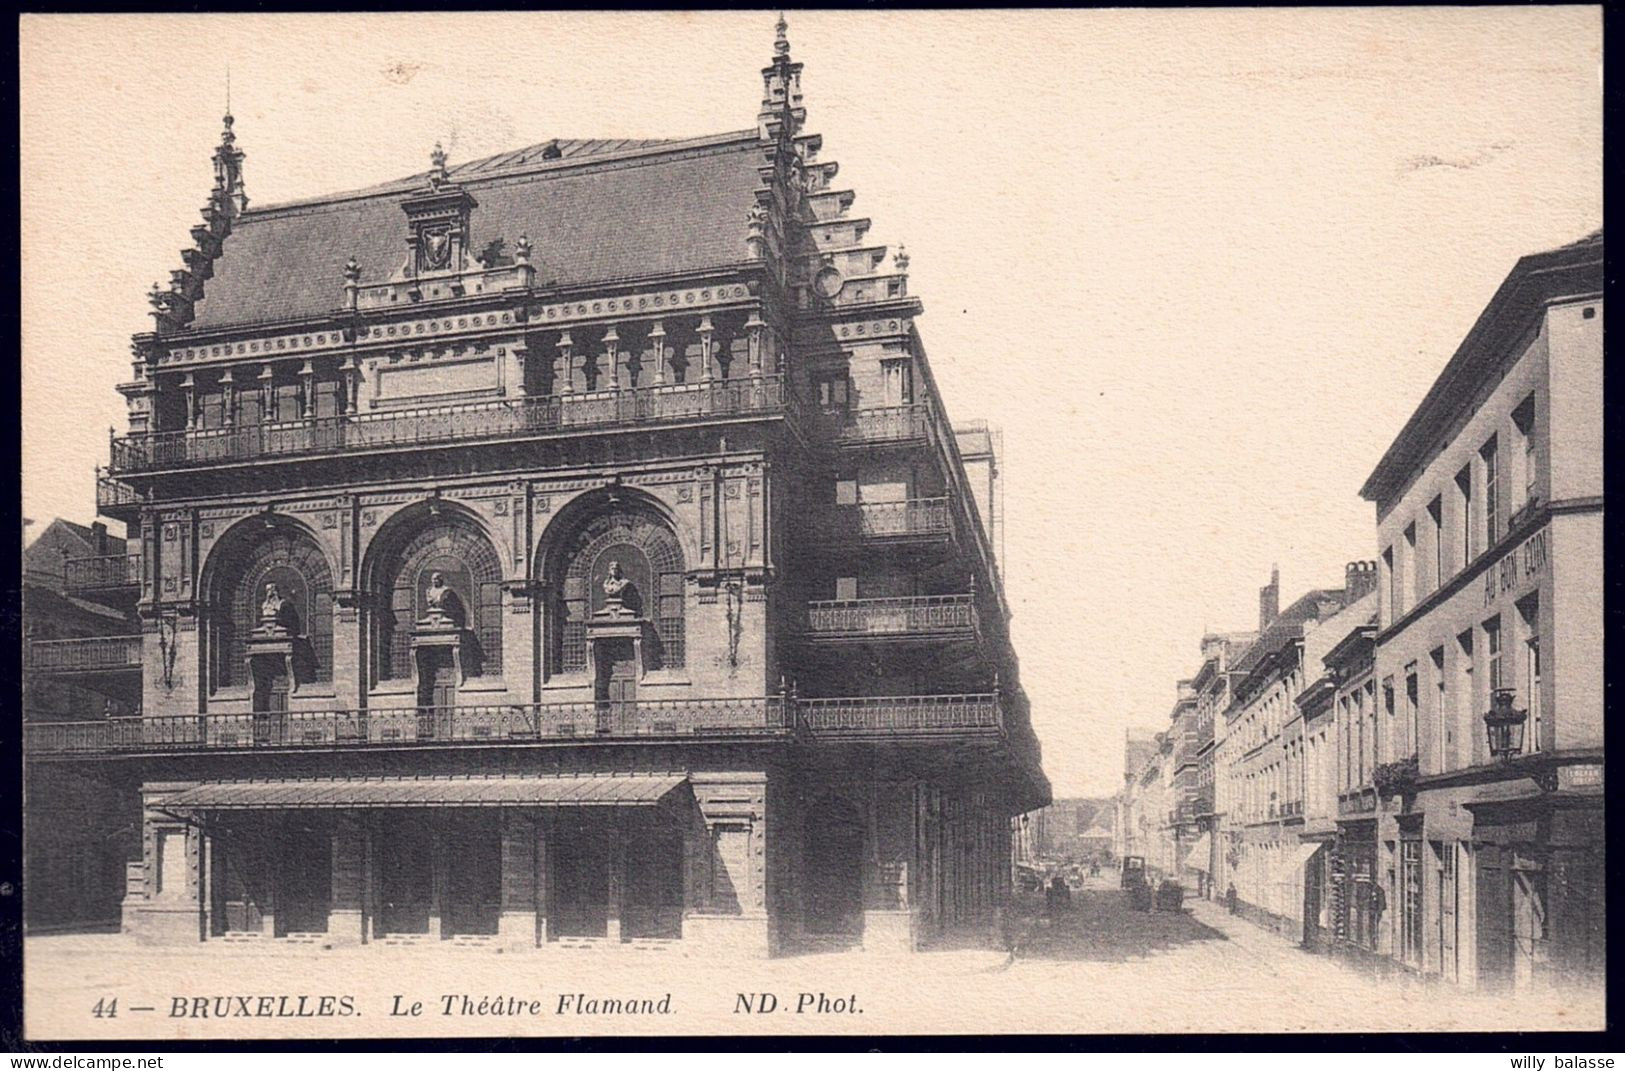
{"points": [[106, 1008]]}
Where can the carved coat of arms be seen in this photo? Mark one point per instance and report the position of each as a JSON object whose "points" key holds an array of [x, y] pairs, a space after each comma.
{"points": [[436, 249]]}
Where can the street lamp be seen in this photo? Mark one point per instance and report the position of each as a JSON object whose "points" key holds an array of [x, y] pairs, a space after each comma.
{"points": [[1505, 725]]}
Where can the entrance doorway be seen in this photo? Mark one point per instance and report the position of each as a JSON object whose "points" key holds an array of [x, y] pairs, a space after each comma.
{"points": [[654, 881], [615, 684], [581, 861], [270, 701], [240, 874], [305, 878], [404, 860], [474, 880], [437, 691], [832, 866]]}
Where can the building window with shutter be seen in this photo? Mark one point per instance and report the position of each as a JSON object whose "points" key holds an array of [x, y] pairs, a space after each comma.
{"points": [[1492, 498]]}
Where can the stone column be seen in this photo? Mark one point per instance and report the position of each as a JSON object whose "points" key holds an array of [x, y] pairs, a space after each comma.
{"points": [[657, 340], [437, 878], [705, 348], [352, 379], [565, 379], [753, 335], [612, 358], [307, 390], [617, 876], [189, 389], [543, 860], [228, 398], [516, 925]]}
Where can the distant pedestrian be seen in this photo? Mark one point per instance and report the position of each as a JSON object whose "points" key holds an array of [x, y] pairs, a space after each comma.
{"points": [[1057, 898], [1230, 898]]}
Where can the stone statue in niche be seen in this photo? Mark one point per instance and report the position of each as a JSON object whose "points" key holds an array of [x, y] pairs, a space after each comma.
{"points": [[617, 592], [273, 612], [441, 605]]}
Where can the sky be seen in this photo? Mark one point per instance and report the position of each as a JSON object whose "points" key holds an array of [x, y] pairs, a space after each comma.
{"points": [[1199, 265]]}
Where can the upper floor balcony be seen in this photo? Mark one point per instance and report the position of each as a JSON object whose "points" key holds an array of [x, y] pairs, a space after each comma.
{"points": [[89, 654], [517, 418], [108, 572], [917, 519], [113, 495], [928, 718], [890, 425], [920, 617]]}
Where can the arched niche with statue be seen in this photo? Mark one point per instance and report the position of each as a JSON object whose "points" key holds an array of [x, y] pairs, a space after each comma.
{"points": [[437, 592], [268, 591], [616, 575]]}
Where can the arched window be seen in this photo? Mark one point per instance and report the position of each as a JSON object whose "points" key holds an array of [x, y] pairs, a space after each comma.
{"points": [[242, 568], [647, 555], [467, 565]]}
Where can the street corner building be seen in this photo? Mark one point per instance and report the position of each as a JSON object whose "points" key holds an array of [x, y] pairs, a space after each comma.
{"points": [[1407, 772], [1480, 802], [568, 547]]}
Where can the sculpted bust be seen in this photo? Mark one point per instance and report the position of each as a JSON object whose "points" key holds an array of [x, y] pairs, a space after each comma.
{"points": [[271, 606], [615, 586], [437, 600]]}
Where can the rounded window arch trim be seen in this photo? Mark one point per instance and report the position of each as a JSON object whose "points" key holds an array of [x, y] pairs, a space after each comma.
{"points": [[220, 584], [389, 553], [569, 519], [398, 528], [243, 529]]}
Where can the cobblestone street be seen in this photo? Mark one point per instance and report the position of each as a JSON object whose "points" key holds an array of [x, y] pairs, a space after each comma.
{"points": [[1101, 967]]}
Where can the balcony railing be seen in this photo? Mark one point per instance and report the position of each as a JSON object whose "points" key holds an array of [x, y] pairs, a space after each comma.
{"points": [[917, 518], [111, 493], [881, 424], [432, 425], [924, 615], [887, 715], [874, 716], [103, 572], [85, 655]]}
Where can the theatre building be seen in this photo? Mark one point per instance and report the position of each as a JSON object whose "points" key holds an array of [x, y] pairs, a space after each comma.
{"points": [[1488, 655], [565, 547]]}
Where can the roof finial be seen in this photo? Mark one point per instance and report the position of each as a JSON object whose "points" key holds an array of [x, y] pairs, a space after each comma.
{"points": [[437, 158], [781, 43]]}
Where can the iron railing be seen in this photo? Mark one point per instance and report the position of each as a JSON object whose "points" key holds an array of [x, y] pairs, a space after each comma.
{"points": [[915, 518], [103, 571], [895, 714], [432, 425], [921, 615], [86, 654], [111, 493], [517, 723], [880, 424]]}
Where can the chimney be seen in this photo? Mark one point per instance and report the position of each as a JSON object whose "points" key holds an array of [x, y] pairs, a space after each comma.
{"points": [[1269, 599], [98, 538], [1359, 580]]}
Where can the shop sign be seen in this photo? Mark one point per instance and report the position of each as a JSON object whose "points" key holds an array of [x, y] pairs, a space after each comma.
{"points": [[1586, 776], [1516, 568]]}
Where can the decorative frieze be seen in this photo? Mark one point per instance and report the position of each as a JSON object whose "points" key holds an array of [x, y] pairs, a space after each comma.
{"points": [[649, 302]]}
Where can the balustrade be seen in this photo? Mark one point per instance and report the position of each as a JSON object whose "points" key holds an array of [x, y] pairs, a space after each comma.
{"points": [[517, 723], [918, 615], [430, 425], [86, 654], [919, 517], [103, 571]]}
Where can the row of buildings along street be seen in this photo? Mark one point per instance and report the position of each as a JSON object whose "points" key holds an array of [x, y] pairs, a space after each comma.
{"points": [[1407, 770]]}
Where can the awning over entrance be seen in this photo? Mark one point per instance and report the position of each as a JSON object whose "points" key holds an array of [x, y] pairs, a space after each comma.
{"points": [[620, 790], [1201, 851]]}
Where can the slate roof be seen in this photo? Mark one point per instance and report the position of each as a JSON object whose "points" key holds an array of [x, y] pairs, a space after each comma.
{"points": [[1564, 272], [602, 211]]}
